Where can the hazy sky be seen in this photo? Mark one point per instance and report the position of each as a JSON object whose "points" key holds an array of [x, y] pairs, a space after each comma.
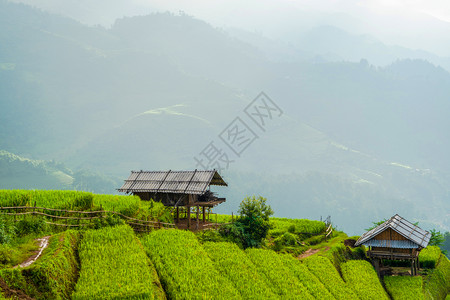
{"points": [[415, 24]]}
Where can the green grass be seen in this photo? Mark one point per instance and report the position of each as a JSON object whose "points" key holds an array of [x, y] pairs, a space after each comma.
{"points": [[362, 278], [114, 266], [131, 206], [232, 262], [325, 271], [404, 287], [282, 280], [184, 267], [297, 226], [218, 218], [71, 200]]}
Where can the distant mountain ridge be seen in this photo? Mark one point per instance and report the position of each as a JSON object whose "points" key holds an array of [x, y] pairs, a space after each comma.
{"points": [[153, 91]]}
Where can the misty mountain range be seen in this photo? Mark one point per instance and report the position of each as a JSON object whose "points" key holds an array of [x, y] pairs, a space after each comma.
{"points": [[363, 134]]}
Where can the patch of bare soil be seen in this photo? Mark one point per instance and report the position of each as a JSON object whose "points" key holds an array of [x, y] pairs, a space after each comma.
{"points": [[310, 252], [307, 253], [12, 293], [43, 243]]}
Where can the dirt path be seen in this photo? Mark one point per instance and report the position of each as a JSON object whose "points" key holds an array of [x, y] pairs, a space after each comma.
{"points": [[307, 253], [42, 245], [310, 252]]}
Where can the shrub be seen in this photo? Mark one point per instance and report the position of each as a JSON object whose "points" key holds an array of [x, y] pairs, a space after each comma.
{"points": [[7, 230], [253, 222], [31, 225], [429, 257], [287, 239]]}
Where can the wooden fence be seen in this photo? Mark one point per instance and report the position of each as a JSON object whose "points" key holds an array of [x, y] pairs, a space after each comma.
{"points": [[81, 218]]}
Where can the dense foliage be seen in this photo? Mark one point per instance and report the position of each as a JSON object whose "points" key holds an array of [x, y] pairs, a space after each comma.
{"points": [[114, 265], [429, 257], [251, 227]]}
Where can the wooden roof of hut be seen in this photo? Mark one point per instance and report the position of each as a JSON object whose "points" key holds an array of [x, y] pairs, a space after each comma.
{"points": [[413, 236], [177, 182]]}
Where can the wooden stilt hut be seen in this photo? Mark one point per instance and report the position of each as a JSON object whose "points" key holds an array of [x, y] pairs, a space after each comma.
{"points": [[395, 239], [179, 189]]}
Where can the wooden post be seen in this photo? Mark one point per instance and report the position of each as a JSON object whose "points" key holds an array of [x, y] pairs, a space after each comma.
{"points": [[204, 217], [376, 264], [412, 267], [417, 265], [198, 214], [188, 208], [178, 215], [190, 200]]}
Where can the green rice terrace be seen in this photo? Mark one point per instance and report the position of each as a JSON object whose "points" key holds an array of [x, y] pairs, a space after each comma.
{"points": [[79, 245]]}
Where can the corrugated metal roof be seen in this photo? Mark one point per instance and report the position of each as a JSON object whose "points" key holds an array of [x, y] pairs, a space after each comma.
{"points": [[185, 182], [391, 244], [403, 227]]}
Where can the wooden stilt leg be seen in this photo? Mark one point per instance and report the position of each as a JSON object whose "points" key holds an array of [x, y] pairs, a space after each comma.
{"points": [[204, 217], [376, 264], [188, 217], [198, 214]]}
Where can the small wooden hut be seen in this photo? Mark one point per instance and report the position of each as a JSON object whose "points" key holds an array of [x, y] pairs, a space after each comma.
{"points": [[395, 239], [185, 189]]}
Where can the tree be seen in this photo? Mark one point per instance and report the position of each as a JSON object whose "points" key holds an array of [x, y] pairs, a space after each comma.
{"points": [[437, 238], [446, 245], [255, 208], [254, 217], [252, 225]]}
